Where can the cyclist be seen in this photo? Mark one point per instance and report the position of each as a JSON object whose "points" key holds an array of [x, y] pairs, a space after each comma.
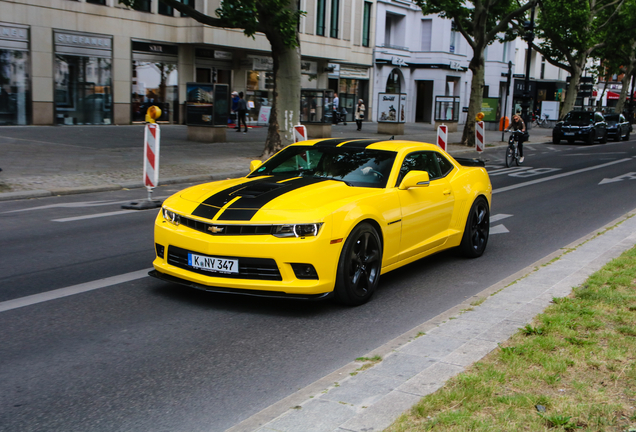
{"points": [[518, 124]]}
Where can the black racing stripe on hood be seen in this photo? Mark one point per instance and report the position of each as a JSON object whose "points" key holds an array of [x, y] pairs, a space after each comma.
{"points": [[253, 201], [333, 142], [211, 206], [361, 143]]}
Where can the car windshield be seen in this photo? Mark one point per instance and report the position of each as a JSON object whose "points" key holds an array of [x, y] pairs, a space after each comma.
{"points": [[353, 166], [579, 117]]}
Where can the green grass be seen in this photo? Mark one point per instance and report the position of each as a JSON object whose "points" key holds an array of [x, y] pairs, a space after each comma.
{"points": [[573, 368]]}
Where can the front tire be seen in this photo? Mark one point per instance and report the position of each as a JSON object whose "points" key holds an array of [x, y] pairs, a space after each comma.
{"points": [[510, 157], [556, 139], [359, 266], [477, 230]]}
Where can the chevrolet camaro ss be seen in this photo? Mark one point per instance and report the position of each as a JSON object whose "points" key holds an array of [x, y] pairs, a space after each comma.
{"points": [[324, 218]]}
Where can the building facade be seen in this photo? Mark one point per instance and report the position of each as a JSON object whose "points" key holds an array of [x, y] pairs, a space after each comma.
{"points": [[425, 58], [69, 62]]}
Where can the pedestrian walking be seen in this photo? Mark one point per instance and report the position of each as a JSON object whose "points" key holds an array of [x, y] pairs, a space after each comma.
{"points": [[359, 114], [242, 111], [234, 109], [335, 105]]}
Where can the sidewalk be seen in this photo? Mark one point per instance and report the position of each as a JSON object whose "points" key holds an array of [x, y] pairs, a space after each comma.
{"points": [[40, 161]]}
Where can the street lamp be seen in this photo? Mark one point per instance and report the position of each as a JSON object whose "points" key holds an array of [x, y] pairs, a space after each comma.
{"points": [[528, 26]]}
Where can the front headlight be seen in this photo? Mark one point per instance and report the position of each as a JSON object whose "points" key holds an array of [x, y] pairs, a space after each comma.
{"points": [[297, 230], [171, 216]]}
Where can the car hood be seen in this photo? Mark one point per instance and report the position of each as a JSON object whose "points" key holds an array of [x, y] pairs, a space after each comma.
{"points": [[266, 199]]}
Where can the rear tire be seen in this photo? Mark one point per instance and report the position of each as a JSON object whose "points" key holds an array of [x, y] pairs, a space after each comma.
{"points": [[359, 266], [477, 229]]}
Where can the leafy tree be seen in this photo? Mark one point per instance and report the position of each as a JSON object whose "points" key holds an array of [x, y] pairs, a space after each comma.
{"points": [[278, 20], [570, 32], [481, 22]]}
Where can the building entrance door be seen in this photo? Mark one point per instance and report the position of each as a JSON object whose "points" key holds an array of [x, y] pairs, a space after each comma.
{"points": [[424, 102]]}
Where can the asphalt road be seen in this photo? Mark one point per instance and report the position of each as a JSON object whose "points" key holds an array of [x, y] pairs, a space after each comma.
{"points": [[145, 355]]}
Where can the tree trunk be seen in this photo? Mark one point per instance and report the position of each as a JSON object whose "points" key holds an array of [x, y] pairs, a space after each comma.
{"points": [[476, 96], [286, 105], [570, 96], [627, 77]]}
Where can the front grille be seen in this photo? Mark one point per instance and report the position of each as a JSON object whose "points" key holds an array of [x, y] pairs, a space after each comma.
{"points": [[249, 268], [205, 227]]}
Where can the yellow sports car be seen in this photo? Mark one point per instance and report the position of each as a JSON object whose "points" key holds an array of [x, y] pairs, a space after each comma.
{"points": [[323, 217]]}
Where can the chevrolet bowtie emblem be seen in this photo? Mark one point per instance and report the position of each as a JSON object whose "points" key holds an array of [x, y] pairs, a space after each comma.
{"points": [[215, 229]]}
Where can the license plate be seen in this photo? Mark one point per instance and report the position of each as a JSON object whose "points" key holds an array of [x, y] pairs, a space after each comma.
{"points": [[568, 133], [213, 264]]}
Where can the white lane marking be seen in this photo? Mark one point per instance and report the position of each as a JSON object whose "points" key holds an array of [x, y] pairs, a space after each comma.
{"points": [[72, 290], [508, 170], [499, 217], [499, 229], [545, 179], [98, 215], [79, 204], [628, 176], [533, 172], [595, 154]]}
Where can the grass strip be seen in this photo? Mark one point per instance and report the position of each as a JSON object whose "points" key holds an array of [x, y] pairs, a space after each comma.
{"points": [[572, 368]]}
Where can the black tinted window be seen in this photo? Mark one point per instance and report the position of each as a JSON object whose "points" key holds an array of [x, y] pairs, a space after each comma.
{"points": [[354, 166], [433, 163], [579, 116]]}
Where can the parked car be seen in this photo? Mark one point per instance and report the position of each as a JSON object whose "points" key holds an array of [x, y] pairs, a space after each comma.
{"points": [[618, 128], [324, 218], [584, 126]]}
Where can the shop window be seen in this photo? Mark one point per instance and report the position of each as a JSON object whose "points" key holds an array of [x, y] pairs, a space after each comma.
{"points": [[393, 82], [15, 94], [366, 24], [155, 83], [83, 90], [100, 2]]}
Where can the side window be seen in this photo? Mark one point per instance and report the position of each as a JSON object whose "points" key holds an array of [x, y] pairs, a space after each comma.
{"points": [[421, 161], [444, 165]]}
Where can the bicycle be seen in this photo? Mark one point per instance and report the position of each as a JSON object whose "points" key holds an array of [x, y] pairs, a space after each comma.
{"points": [[541, 121], [512, 152]]}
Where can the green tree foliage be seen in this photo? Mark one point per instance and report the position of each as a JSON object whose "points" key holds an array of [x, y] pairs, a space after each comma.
{"points": [[278, 20], [570, 32], [481, 22]]}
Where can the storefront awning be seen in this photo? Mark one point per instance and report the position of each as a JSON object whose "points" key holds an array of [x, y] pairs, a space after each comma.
{"points": [[612, 96]]}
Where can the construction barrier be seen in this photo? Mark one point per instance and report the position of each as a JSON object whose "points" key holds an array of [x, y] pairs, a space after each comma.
{"points": [[442, 136], [300, 133], [152, 136], [479, 136]]}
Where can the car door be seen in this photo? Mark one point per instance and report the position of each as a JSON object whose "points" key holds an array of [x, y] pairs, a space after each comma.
{"points": [[426, 211]]}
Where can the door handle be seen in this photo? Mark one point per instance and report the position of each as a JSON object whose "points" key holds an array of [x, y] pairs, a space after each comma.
{"points": [[447, 192]]}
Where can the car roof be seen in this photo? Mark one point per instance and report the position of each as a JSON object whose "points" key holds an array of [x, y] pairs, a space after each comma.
{"points": [[372, 144]]}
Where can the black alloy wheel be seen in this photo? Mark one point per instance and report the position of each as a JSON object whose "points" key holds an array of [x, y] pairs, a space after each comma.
{"points": [[477, 229], [359, 266]]}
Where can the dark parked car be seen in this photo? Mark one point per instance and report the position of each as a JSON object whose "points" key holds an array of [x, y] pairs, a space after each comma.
{"points": [[618, 128], [584, 126]]}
